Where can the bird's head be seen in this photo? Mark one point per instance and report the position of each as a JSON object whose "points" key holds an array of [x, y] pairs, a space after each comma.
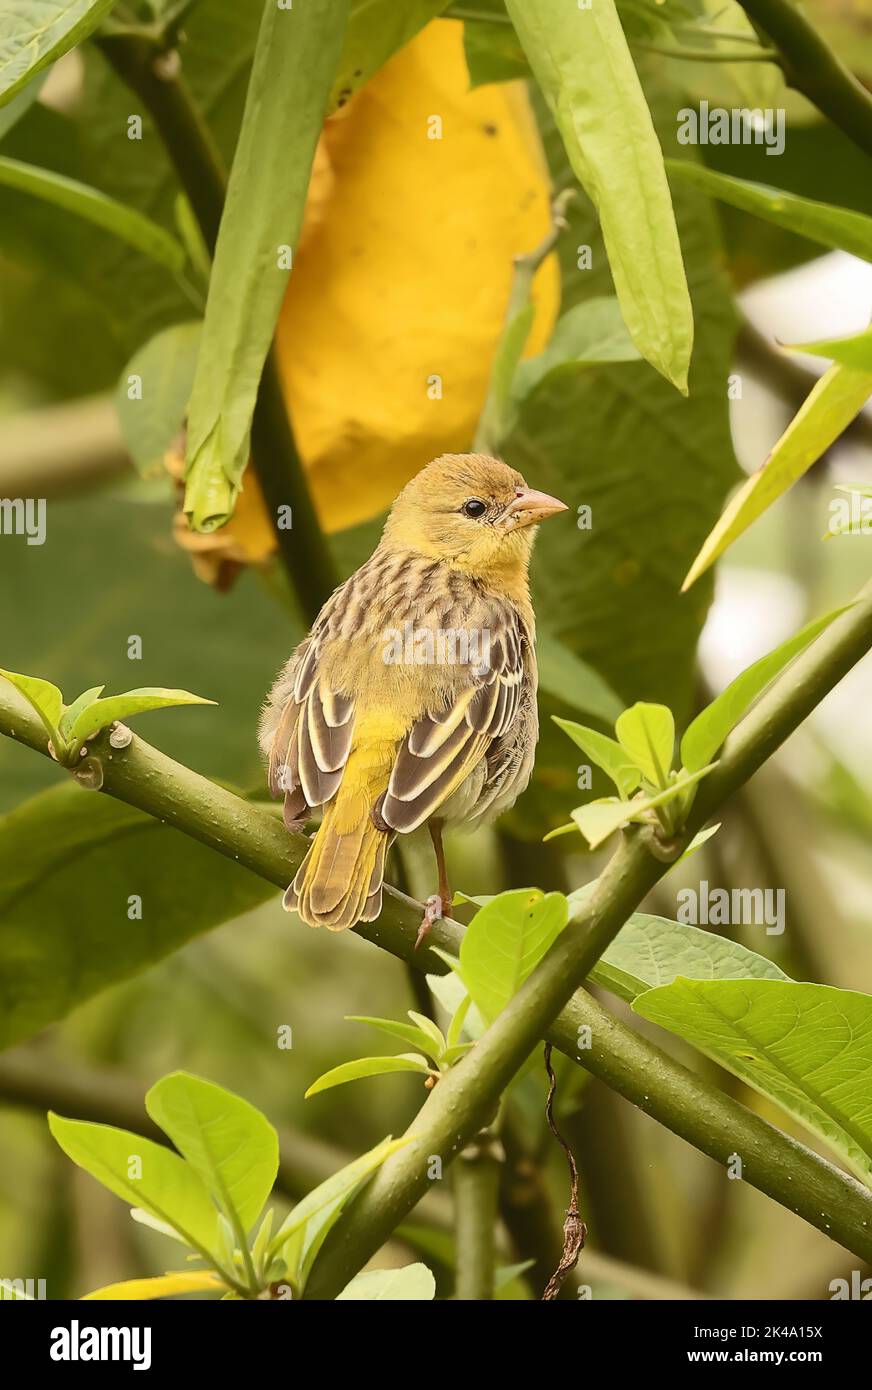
{"points": [[472, 511]]}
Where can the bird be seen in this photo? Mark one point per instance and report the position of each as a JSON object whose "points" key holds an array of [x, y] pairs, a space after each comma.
{"points": [[412, 700]]}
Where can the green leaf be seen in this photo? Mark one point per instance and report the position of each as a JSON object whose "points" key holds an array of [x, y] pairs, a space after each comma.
{"points": [[647, 735], [458, 1018], [599, 819], [395, 1028], [34, 34], [165, 367], [493, 53], [504, 943], [855, 351], [260, 1244], [44, 697], [591, 332], [839, 228], [67, 846], [81, 702], [651, 951], [321, 1208], [808, 1047], [167, 1187], [192, 238], [566, 829], [413, 1283], [145, 1218], [12, 111], [228, 1142], [430, 1031], [583, 65], [375, 30], [702, 739], [101, 713], [573, 681], [605, 752], [698, 841], [294, 64], [95, 207], [368, 1066], [830, 407]]}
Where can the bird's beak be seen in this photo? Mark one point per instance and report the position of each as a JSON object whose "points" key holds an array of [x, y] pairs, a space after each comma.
{"points": [[529, 507]]}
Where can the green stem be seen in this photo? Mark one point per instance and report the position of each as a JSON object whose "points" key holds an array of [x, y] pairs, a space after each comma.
{"points": [[143, 63], [496, 415], [304, 551], [155, 75], [814, 69], [476, 1188], [710, 55]]}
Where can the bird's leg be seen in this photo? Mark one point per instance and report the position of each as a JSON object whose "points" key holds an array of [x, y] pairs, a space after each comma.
{"points": [[439, 904], [445, 893]]}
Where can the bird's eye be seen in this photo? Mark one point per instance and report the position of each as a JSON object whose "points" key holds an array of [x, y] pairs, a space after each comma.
{"points": [[474, 507]]}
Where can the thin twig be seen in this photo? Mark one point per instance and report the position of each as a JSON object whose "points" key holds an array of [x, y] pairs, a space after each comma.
{"points": [[813, 68], [574, 1229]]}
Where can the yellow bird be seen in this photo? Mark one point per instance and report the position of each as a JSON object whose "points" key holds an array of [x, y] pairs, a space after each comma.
{"points": [[413, 698]]}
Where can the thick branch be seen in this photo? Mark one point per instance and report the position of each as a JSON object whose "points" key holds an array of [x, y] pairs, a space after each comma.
{"points": [[814, 69], [476, 1188], [60, 449]]}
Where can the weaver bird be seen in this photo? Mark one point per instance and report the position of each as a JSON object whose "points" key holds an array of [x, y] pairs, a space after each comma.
{"points": [[413, 698]]}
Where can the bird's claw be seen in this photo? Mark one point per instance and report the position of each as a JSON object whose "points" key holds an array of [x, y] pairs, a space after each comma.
{"points": [[433, 910]]}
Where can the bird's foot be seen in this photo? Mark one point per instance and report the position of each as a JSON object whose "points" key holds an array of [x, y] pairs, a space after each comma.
{"points": [[434, 908]]}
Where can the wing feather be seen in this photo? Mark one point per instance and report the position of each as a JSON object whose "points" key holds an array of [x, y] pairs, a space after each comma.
{"points": [[315, 735]]}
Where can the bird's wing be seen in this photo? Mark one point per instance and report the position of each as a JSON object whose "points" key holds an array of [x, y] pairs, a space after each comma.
{"points": [[313, 737], [444, 745], [315, 732]]}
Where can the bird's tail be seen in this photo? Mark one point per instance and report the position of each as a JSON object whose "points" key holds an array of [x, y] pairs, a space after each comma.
{"points": [[339, 882]]}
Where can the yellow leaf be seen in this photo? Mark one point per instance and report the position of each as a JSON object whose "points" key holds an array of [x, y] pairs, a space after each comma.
{"points": [[400, 283], [160, 1286]]}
